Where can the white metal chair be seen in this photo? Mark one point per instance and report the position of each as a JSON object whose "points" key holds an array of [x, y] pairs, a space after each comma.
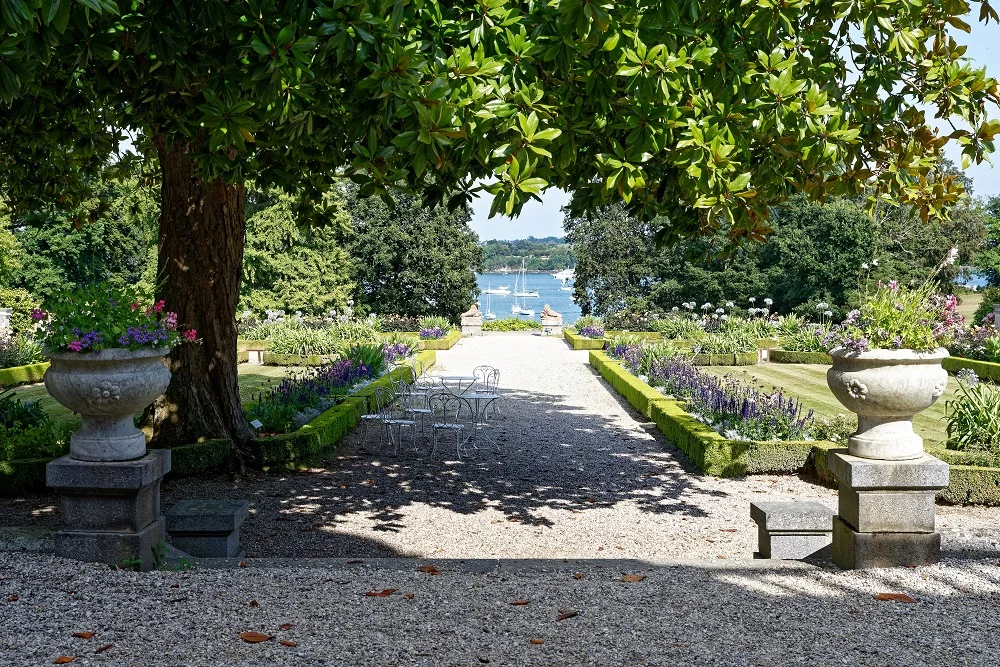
{"points": [[447, 407]]}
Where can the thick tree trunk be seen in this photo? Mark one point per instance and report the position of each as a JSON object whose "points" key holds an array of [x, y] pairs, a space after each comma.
{"points": [[202, 235]]}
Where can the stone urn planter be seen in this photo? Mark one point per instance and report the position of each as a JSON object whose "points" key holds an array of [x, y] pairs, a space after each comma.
{"points": [[886, 388], [107, 388]]}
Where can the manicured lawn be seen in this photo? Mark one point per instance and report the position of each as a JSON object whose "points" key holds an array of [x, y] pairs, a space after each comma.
{"points": [[252, 380], [969, 303], [808, 383]]}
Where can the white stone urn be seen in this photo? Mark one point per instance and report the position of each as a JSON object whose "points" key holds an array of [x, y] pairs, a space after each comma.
{"points": [[886, 388], [107, 388]]}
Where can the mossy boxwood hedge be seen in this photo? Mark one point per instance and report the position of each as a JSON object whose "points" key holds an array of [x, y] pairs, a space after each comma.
{"points": [[984, 369], [975, 476], [445, 343], [789, 357], [18, 375]]}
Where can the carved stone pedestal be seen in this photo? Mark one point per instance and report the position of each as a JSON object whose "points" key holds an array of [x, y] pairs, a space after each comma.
{"points": [[472, 325], [886, 511], [110, 510]]}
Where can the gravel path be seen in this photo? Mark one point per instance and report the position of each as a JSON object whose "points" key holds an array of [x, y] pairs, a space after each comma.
{"points": [[583, 477], [735, 613]]}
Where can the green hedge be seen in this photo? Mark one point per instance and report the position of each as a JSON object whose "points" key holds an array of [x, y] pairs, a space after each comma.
{"points": [[445, 343], [274, 359], [201, 457], [789, 357], [582, 342], [22, 475], [13, 377], [975, 476], [243, 344], [983, 369], [737, 359]]}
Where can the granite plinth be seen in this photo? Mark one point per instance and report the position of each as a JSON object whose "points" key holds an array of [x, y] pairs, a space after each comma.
{"points": [[855, 472], [853, 550], [110, 510], [207, 528], [792, 530]]}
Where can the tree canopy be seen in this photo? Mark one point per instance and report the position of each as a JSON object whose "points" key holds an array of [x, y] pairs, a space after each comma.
{"points": [[704, 112]]}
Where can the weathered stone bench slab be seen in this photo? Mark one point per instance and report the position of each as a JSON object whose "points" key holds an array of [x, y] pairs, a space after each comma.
{"points": [[207, 528], [792, 530]]}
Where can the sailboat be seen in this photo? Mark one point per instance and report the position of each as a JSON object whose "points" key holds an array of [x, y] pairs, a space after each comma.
{"points": [[524, 285], [516, 309], [489, 314], [503, 290]]}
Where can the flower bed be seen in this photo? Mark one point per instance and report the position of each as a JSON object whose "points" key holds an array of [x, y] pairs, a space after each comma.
{"points": [[975, 476], [446, 343]]}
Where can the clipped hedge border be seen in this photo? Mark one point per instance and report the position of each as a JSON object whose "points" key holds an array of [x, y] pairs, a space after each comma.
{"points": [[22, 475], [974, 478], [579, 342], [18, 375], [789, 357], [984, 369], [445, 343], [274, 359], [736, 359]]}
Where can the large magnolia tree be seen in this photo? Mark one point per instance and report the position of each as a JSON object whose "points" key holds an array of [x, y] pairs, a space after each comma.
{"points": [[707, 111]]}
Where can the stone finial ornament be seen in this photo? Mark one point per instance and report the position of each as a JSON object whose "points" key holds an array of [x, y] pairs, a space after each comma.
{"points": [[548, 312], [472, 312]]}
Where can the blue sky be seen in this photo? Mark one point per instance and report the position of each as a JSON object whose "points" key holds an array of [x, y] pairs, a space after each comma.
{"points": [[545, 219]]}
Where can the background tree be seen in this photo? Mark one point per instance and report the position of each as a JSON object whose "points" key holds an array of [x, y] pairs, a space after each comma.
{"points": [[410, 259], [707, 112], [293, 265], [106, 238]]}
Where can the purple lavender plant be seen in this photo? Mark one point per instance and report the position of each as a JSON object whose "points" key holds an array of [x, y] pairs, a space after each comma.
{"points": [[592, 332], [432, 333]]}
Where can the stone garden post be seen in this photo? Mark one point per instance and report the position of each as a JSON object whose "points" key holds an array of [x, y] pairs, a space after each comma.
{"points": [[887, 482]]}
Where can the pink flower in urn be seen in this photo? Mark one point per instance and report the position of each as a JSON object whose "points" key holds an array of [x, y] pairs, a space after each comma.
{"points": [[170, 320], [190, 335], [159, 306], [37, 314], [76, 346]]}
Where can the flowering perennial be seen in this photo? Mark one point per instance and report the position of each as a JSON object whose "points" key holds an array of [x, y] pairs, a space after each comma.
{"points": [[432, 333], [100, 317]]}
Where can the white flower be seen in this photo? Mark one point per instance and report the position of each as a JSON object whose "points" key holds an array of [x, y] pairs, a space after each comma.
{"points": [[729, 304], [768, 302], [828, 313], [752, 299], [674, 309], [715, 316], [706, 306], [725, 317], [874, 262], [951, 257], [822, 305], [720, 310], [864, 267]]}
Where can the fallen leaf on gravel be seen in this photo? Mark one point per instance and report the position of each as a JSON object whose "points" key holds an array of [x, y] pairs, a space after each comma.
{"points": [[710, 540], [285, 626], [254, 603], [353, 561], [578, 575], [630, 578], [104, 648], [520, 603], [381, 594], [13, 598], [64, 659], [407, 596], [894, 597], [722, 557], [255, 637], [537, 642], [243, 563], [728, 530], [429, 569], [568, 614], [485, 661], [84, 635], [175, 585], [285, 642]]}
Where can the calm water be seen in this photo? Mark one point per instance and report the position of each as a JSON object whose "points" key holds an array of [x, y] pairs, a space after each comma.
{"points": [[549, 292]]}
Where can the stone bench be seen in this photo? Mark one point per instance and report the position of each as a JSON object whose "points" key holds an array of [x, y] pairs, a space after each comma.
{"points": [[792, 530], [207, 528]]}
